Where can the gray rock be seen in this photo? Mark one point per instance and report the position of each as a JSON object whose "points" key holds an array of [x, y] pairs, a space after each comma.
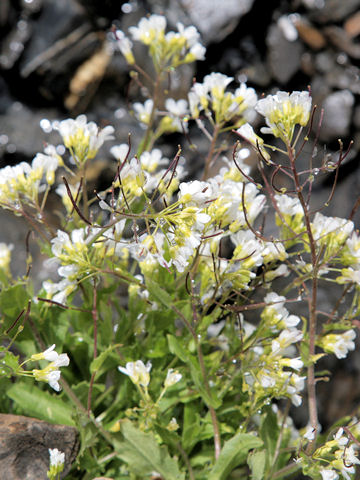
{"points": [[25, 443], [213, 22], [338, 108], [284, 56], [331, 10]]}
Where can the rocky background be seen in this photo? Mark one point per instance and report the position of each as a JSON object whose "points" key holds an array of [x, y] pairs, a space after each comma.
{"points": [[55, 62]]}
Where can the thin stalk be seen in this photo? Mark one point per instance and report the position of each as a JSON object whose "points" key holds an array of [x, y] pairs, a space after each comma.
{"points": [[144, 143], [312, 304], [217, 439], [94, 314], [211, 152], [84, 191], [186, 460]]}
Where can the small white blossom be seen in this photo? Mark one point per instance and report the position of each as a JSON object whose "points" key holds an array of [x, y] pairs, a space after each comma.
{"points": [[125, 46], [56, 457], [138, 372], [195, 193], [82, 138], [289, 205], [283, 112], [172, 377], [48, 354], [328, 474], [246, 131], [149, 29], [309, 433], [143, 111]]}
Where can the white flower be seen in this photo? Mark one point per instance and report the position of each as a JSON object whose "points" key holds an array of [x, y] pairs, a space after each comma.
{"points": [[340, 438], [84, 139], [47, 163], [138, 372], [195, 193], [323, 226], [286, 338], [295, 363], [172, 377], [61, 361], [349, 275], [309, 433], [5, 255], [125, 46], [177, 110], [190, 33], [341, 344], [149, 29], [328, 474], [198, 51], [283, 111], [48, 354], [350, 457], [143, 111], [120, 152], [216, 83], [289, 205], [56, 457], [246, 131], [150, 161], [266, 380]]}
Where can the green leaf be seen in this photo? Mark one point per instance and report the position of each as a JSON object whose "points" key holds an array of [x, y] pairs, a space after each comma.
{"points": [[177, 349], [159, 294], [39, 404], [256, 461], [9, 363], [234, 453], [99, 360], [13, 300], [269, 432], [143, 454]]}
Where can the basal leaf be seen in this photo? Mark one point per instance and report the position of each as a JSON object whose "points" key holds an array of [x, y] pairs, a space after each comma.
{"points": [[144, 455], [39, 404], [233, 453]]}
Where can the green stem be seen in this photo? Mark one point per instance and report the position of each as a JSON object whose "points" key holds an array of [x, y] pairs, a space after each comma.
{"points": [[144, 145], [312, 303]]}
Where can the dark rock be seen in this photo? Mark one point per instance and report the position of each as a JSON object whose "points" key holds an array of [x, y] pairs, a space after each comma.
{"points": [[25, 443], [312, 36], [213, 23], [325, 11], [338, 111], [341, 40], [284, 56], [352, 25]]}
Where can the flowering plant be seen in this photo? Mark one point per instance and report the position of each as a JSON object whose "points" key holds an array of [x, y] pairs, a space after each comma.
{"points": [[187, 348]]}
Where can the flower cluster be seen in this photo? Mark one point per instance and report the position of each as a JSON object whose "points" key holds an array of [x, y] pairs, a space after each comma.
{"points": [[199, 267], [283, 112], [78, 256], [5, 257], [23, 182], [83, 139], [212, 97], [167, 50], [336, 457], [57, 461], [51, 373]]}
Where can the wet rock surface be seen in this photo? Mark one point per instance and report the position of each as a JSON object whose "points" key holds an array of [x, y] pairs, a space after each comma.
{"points": [[25, 443]]}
